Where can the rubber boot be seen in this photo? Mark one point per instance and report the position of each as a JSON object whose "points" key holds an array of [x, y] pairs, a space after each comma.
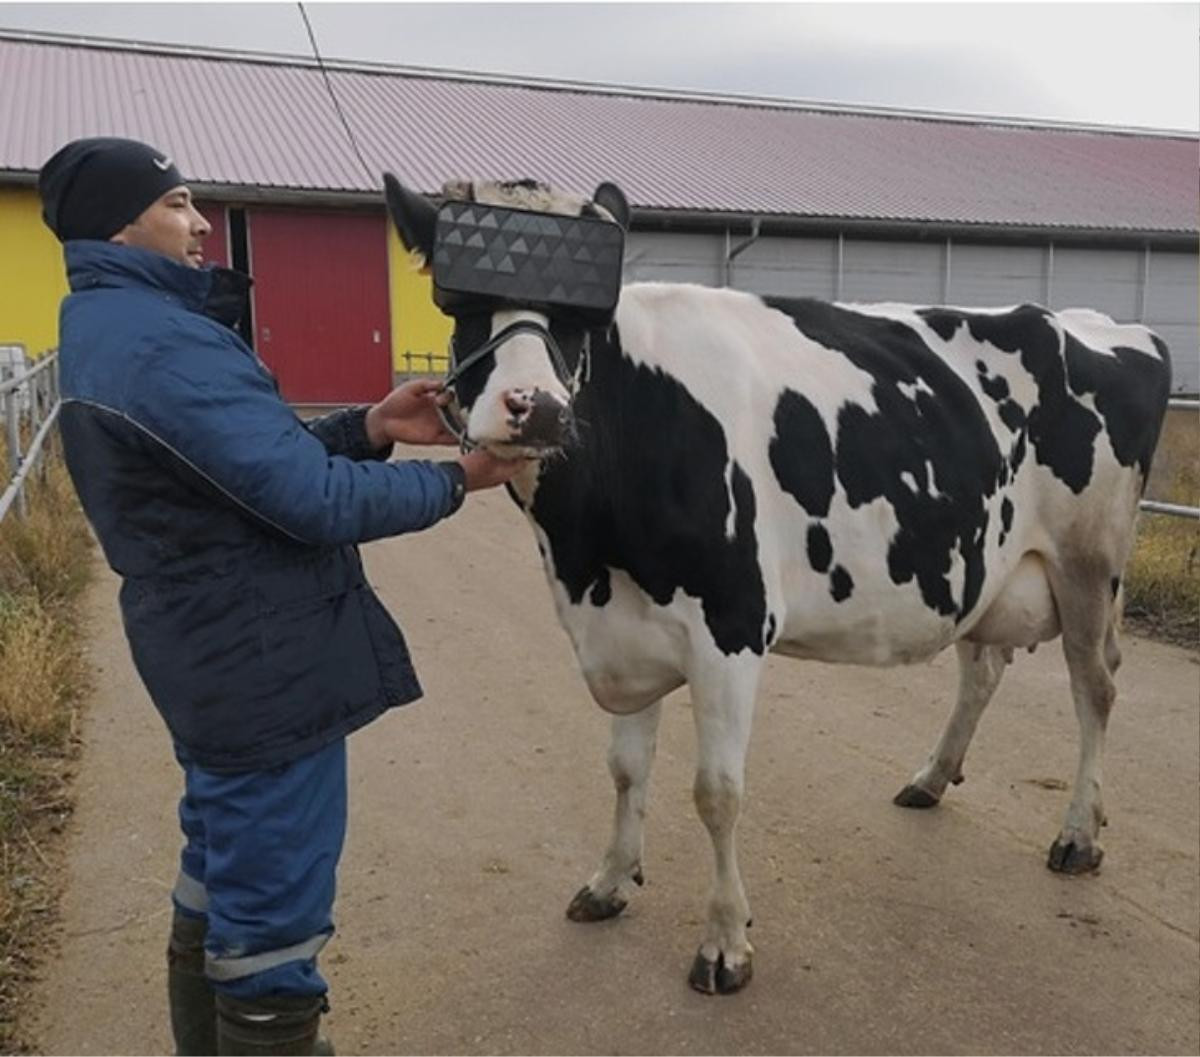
{"points": [[272, 1025], [189, 995]]}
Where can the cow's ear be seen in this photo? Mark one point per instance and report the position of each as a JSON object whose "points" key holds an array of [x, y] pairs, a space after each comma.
{"points": [[412, 214], [612, 198]]}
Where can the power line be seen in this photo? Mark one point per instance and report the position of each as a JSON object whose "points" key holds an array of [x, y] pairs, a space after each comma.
{"points": [[371, 176]]}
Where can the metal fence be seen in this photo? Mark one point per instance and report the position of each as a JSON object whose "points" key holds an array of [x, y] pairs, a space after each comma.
{"points": [[29, 404], [1153, 506], [423, 362]]}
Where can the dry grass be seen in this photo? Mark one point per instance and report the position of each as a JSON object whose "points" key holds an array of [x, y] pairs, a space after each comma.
{"points": [[45, 563], [1162, 582], [48, 554], [43, 671]]}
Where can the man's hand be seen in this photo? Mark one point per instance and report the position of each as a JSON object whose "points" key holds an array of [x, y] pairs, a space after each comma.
{"points": [[409, 415], [484, 470]]}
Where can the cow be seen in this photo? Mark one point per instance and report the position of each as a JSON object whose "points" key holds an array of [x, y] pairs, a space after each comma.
{"points": [[722, 475]]}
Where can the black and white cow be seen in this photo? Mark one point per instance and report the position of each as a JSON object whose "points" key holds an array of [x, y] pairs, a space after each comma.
{"points": [[869, 484]]}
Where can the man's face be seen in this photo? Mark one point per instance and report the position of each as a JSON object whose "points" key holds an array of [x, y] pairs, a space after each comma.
{"points": [[171, 226]]}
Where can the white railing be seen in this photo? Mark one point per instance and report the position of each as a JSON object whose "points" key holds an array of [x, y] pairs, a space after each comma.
{"points": [[29, 403], [1153, 506]]}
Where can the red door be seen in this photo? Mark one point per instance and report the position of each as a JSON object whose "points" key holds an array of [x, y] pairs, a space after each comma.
{"points": [[321, 303]]}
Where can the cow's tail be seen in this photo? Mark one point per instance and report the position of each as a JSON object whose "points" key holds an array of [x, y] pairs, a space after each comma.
{"points": [[1162, 401]]}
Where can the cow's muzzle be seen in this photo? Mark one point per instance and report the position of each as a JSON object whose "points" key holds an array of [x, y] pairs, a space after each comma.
{"points": [[534, 418], [538, 419]]}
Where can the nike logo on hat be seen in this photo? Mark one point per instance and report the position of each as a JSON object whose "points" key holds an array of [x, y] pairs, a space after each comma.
{"points": [[163, 163]]}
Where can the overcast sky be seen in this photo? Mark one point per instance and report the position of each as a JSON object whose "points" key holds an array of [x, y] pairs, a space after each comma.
{"points": [[1112, 63]]}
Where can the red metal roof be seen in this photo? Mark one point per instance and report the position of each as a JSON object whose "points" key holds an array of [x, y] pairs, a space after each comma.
{"points": [[270, 123]]}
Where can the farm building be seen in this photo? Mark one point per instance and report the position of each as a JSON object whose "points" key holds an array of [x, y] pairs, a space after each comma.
{"points": [[765, 195]]}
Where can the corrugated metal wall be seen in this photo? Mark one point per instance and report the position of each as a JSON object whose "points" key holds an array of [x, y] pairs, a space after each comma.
{"points": [[1172, 305], [1159, 289]]}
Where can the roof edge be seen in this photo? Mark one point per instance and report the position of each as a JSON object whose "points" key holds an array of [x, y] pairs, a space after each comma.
{"points": [[582, 87], [907, 228], [652, 218]]}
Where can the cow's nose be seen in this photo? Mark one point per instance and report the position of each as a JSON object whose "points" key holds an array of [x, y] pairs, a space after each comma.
{"points": [[537, 417], [519, 402]]}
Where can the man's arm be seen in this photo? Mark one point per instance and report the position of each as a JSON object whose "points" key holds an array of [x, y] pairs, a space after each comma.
{"points": [[344, 432], [209, 404], [409, 413]]}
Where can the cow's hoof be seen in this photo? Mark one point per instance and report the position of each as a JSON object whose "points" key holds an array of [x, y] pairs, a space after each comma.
{"points": [[1069, 857], [915, 796], [716, 978], [588, 907]]}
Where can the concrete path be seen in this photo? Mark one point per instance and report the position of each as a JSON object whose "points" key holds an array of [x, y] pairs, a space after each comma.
{"points": [[477, 813]]}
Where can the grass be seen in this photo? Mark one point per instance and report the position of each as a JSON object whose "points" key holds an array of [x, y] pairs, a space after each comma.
{"points": [[45, 563], [1162, 580]]}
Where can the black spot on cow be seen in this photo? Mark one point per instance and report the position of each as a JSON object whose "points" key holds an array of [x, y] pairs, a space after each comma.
{"points": [[996, 386], [1006, 517], [1061, 430], [943, 321], [973, 568], [1012, 415], [1131, 389], [602, 589], [523, 184], [926, 413], [801, 453], [1017, 455], [820, 549], [841, 585], [772, 626], [645, 491]]}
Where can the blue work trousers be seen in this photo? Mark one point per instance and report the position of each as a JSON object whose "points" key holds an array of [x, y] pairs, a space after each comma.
{"points": [[260, 862]]}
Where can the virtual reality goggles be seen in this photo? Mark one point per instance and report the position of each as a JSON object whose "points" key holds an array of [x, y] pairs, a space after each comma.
{"points": [[490, 256]]}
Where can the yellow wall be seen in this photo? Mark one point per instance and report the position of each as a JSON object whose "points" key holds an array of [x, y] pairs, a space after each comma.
{"points": [[418, 326], [32, 278]]}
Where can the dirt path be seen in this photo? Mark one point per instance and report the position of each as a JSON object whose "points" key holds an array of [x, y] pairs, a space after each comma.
{"points": [[477, 813]]}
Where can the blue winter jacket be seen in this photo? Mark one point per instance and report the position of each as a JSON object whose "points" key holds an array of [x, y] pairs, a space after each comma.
{"points": [[232, 522]]}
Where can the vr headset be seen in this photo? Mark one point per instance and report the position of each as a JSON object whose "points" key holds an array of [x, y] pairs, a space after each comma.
{"points": [[489, 256]]}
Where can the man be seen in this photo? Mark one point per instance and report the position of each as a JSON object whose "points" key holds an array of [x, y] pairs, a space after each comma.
{"points": [[233, 525]]}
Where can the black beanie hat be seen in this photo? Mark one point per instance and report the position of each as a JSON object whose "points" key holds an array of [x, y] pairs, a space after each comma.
{"points": [[92, 188]]}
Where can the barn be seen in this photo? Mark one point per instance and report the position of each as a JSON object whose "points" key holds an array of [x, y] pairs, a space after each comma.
{"points": [[766, 195]]}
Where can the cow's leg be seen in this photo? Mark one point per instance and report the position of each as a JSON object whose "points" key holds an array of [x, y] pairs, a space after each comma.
{"points": [[1090, 647], [979, 672], [630, 756], [723, 707]]}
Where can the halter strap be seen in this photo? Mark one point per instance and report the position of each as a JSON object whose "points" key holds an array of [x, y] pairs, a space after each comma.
{"points": [[570, 381]]}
